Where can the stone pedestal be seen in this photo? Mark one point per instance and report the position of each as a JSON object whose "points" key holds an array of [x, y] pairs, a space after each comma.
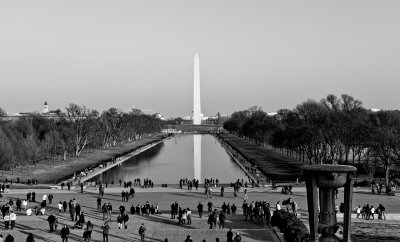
{"points": [[328, 178]]}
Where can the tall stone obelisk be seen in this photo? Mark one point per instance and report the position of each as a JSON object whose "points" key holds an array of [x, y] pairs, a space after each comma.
{"points": [[196, 94]]}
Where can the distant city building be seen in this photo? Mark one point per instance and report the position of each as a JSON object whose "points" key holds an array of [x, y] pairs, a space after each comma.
{"points": [[161, 117], [47, 113], [375, 110], [171, 131]]}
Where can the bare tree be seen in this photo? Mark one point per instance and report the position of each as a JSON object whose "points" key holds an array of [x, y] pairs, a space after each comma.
{"points": [[83, 123], [6, 151]]}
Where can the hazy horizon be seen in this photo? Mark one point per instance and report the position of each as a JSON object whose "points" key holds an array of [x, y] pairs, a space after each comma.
{"points": [[126, 54]]}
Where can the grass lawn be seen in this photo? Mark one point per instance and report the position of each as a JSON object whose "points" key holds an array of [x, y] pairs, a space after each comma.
{"points": [[51, 172], [275, 166]]}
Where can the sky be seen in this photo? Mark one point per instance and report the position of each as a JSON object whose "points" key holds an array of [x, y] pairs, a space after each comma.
{"points": [[125, 54]]}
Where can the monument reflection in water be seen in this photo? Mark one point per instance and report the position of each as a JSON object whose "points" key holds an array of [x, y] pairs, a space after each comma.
{"points": [[197, 156], [184, 156]]}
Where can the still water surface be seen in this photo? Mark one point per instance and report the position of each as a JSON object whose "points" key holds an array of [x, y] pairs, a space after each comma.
{"points": [[184, 156]]}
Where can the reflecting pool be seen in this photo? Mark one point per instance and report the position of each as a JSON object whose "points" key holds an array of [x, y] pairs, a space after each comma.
{"points": [[183, 156]]}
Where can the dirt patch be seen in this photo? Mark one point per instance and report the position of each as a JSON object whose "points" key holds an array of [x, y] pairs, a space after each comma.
{"points": [[375, 231]]}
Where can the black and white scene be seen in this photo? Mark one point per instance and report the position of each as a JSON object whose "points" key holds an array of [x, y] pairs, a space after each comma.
{"points": [[199, 121]]}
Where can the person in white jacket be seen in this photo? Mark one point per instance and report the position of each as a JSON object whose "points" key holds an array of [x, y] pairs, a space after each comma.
{"points": [[277, 206], [25, 204]]}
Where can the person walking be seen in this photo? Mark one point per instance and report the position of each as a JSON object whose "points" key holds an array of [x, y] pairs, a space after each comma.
{"points": [[89, 228], [200, 209], [372, 212], [189, 216], [18, 203], [85, 235], [382, 212], [104, 210], [294, 208], [64, 233], [119, 221], [77, 211], [60, 207], [125, 218], [222, 219], [109, 210], [229, 236], [65, 205], [55, 224], [98, 203], [358, 210], [277, 206], [50, 197], [209, 205], [13, 217], [30, 238], [142, 231], [105, 228], [44, 200], [25, 204], [7, 220], [51, 219]]}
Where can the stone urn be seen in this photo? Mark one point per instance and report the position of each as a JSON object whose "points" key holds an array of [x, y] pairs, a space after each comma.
{"points": [[326, 179]]}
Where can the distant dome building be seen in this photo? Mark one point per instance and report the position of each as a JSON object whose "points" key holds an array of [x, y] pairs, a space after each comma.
{"points": [[45, 107]]}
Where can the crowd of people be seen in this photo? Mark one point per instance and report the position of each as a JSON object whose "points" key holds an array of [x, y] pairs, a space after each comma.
{"points": [[368, 212], [190, 183], [258, 212], [290, 206]]}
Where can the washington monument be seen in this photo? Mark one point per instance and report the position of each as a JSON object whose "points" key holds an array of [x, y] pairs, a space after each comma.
{"points": [[196, 94]]}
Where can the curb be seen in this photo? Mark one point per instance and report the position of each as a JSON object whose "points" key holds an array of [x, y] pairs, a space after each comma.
{"points": [[278, 234]]}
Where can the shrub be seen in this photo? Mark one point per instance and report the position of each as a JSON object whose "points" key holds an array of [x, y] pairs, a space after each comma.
{"points": [[362, 183], [293, 228]]}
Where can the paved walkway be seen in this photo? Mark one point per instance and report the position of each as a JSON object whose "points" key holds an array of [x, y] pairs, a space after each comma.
{"points": [[159, 227]]}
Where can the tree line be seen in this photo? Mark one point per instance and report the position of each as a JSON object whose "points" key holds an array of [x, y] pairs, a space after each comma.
{"points": [[27, 140], [330, 131]]}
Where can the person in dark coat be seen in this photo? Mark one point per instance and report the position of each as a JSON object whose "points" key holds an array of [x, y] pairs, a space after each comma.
{"points": [[98, 203], [105, 229], [65, 205], [138, 209], [51, 219], [89, 228], [142, 231], [222, 220], [125, 219], [50, 197], [30, 238], [122, 209], [85, 235], [229, 236], [64, 233], [132, 209], [9, 238], [200, 209], [77, 211]]}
